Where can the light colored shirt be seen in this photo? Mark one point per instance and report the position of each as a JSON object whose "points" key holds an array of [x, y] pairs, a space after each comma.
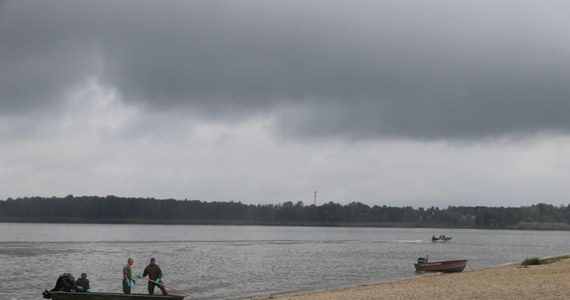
{"points": [[127, 272]]}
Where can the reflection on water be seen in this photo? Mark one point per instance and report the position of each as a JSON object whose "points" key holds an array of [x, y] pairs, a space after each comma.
{"points": [[237, 262]]}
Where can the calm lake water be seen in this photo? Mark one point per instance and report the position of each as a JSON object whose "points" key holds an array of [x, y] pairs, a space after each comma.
{"points": [[241, 262]]}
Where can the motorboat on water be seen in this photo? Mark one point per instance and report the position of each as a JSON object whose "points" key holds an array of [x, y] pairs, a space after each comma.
{"points": [[441, 238]]}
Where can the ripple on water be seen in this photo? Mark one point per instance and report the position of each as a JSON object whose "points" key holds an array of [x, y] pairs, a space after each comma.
{"points": [[232, 262]]}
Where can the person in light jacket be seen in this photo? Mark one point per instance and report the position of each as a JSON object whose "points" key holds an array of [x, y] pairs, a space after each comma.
{"points": [[128, 276]]}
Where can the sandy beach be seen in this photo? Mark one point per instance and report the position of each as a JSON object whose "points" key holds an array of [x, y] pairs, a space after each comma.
{"points": [[549, 281]]}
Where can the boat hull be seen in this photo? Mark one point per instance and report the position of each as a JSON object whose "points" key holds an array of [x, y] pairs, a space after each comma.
{"points": [[447, 266], [110, 296], [445, 239]]}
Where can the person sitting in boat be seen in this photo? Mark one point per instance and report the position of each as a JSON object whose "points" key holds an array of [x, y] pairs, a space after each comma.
{"points": [[433, 238], [154, 277], [82, 284]]}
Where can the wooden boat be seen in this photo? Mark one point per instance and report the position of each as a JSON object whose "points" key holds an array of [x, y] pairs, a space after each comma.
{"points": [[110, 296], [446, 266]]}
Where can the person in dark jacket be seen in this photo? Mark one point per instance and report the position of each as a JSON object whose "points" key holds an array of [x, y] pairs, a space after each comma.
{"points": [[155, 277], [82, 284]]}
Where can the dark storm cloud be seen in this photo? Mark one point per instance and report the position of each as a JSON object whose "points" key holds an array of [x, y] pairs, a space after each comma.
{"points": [[41, 55], [362, 69]]}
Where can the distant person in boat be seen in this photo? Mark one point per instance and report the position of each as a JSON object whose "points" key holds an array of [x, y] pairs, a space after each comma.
{"points": [[128, 280], [82, 284], [155, 277]]}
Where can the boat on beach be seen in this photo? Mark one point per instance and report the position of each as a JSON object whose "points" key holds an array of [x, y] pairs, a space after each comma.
{"points": [[446, 266], [110, 296]]}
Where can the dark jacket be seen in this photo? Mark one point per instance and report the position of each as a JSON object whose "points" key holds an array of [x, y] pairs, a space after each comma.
{"points": [[153, 272], [82, 284]]}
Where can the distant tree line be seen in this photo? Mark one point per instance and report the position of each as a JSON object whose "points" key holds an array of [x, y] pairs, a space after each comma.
{"points": [[112, 209]]}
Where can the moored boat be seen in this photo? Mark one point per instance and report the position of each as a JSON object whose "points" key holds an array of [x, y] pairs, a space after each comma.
{"points": [[110, 296], [446, 266]]}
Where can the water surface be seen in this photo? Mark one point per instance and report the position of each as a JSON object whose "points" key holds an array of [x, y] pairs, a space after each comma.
{"points": [[239, 262]]}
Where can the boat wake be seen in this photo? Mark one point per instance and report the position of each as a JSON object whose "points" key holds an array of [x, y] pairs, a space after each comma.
{"points": [[409, 241]]}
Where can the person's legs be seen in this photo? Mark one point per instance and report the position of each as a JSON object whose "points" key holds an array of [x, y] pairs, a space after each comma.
{"points": [[151, 288], [126, 287], [164, 293]]}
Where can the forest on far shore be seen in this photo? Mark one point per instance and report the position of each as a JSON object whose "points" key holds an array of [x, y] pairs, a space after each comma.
{"points": [[112, 209]]}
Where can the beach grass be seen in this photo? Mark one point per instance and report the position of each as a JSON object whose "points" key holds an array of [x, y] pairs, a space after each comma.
{"points": [[543, 261], [531, 261]]}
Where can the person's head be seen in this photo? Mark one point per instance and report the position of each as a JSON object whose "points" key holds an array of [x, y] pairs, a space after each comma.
{"points": [[152, 261], [83, 275], [130, 261]]}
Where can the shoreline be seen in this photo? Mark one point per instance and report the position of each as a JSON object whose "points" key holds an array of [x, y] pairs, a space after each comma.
{"points": [[506, 281], [345, 224]]}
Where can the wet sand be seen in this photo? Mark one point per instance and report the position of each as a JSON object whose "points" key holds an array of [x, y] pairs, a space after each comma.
{"points": [[550, 281]]}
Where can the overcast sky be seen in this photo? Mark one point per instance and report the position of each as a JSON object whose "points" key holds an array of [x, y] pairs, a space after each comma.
{"points": [[404, 102]]}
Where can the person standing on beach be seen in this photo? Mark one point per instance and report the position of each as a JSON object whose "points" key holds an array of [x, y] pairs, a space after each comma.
{"points": [[128, 276], [155, 277]]}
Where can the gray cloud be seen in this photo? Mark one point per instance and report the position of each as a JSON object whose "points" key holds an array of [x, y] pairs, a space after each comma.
{"points": [[39, 57], [359, 69]]}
